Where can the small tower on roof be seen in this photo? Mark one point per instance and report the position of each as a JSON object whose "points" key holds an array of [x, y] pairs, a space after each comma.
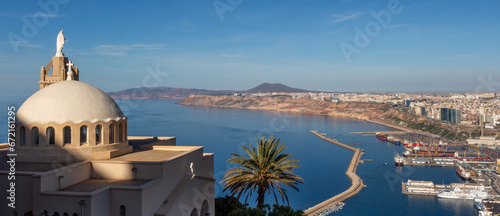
{"points": [[58, 64]]}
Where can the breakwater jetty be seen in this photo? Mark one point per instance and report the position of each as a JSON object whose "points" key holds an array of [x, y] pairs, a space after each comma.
{"points": [[356, 181]]}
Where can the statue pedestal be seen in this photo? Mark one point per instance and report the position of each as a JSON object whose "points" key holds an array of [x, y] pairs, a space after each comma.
{"points": [[59, 67], [59, 71]]}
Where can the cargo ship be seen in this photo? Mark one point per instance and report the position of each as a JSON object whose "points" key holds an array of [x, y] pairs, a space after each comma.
{"points": [[393, 140], [470, 158], [464, 194], [463, 173], [456, 146], [381, 136], [413, 145], [398, 160], [428, 153]]}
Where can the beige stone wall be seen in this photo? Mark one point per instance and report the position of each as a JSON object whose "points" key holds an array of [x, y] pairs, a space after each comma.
{"points": [[71, 175], [59, 72], [170, 189], [58, 152]]}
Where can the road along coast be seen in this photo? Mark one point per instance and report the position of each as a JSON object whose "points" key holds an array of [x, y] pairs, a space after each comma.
{"points": [[356, 181]]}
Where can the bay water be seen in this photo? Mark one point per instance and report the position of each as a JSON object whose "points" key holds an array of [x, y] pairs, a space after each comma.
{"points": [[323, 165]]}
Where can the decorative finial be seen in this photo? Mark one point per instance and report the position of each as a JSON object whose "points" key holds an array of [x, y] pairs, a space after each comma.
{"points": [[60, 44], [70, 71]]}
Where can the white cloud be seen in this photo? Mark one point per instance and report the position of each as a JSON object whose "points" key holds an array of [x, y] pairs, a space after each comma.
{"points": [[118, 50], [459, 57], [236, 55], [397, 25], [343, 18], [187, 26], [29, 45], [30, 15], [148, 46]]}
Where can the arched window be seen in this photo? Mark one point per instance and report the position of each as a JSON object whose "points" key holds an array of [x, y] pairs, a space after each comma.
{"points": [[67, 135], [111, 133], [56, 214], [205, 210], [123, 210], [22, 133], [65, 214], [75, 214], [120, 132], [194, 212], [51, 139], [83, 134], [35, 138], [98, 134]]}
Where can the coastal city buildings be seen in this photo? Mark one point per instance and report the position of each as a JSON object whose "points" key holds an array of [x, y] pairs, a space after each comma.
{"points": [[72, 155], [460, 108], [450, 115]]}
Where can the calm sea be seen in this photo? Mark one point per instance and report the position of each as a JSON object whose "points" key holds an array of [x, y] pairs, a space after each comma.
{"points": [[323, 165]]}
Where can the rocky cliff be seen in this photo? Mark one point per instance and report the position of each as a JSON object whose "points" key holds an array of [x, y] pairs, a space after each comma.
{"points": [[168, 93], [286, 103], [380, 113], [161, 93]]}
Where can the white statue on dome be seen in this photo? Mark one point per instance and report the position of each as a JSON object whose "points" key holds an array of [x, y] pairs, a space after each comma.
{"points": [[60, 44]]}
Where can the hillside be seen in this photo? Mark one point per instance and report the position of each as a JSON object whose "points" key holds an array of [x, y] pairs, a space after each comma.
{"points": [[286, 103], [168, 93], [379, 113], [274, 87], [161, 93], [427, 125]]}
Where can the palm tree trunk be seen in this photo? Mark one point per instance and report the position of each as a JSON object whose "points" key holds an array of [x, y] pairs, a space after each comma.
{"points": [[260, 198]]}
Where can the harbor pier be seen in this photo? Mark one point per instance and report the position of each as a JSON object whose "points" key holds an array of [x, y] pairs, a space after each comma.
{"points": [[356, 181]]}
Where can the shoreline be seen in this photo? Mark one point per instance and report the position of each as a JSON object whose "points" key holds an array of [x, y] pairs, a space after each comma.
{"points": [[360, 117], [356, 181], [399, 127]]}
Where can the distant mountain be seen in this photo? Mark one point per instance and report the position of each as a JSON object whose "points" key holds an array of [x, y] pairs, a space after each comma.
{"points": [[274, 87], [168, 93], [162, 93]]}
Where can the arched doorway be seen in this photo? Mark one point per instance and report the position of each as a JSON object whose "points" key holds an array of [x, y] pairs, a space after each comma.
{"points": [[205, 209]]}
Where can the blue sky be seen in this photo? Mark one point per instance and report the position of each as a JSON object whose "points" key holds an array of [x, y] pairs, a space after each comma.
{"points": [[446, 45]]}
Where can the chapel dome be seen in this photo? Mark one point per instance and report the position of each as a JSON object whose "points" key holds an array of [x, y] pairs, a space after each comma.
{"points": [[69, 101]]}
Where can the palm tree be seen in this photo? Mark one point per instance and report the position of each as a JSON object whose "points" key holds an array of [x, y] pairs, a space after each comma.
{"points": [[265, 170]]}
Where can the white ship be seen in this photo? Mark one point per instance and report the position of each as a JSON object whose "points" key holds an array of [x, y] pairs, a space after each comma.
{"points": [[398, 160], [464, 194]]}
